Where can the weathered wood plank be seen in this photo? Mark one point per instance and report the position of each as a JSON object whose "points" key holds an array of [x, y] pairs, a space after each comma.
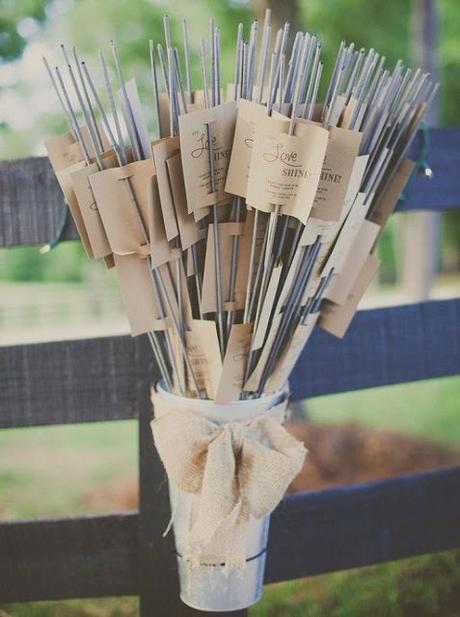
{"points": [[158, 587], [382, 347], [441, 192], [311, 533], [364, 524], [31, 201], [74, 381], [69, 558], [100, 379]]}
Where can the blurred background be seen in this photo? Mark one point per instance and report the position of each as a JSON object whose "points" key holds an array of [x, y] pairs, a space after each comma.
{"points": [[59, 294]]}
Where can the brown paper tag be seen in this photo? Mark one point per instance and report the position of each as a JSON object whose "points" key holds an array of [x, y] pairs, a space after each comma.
{"points": [[236, 355], [342, 150], [267, 306], [118, 214], [165, 118], [382, 209], [204, 352], [142, 133], [88, 207], [195, 153], [208, 294], [249, 113], [285, 170], [189, 230], [252, 384], [163, 150], [356, 257], [335, 318], [291, 353], [347, 235], [64, 178], [138, 295], [63, 151], [160, 250]]}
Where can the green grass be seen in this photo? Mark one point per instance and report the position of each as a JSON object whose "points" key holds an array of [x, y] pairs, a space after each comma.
{"points": [[51, 471], [422, 587], [427, 408], [60, 470]]}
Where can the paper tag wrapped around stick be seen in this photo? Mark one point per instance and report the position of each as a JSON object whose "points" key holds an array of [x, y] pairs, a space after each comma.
{"points": [[160, 249], [336, 318], [66, 157], [88, 207], [208, 298], [285, 169], [204, 352], [195, 153], [249, 114], [189, 230], [341, 152], [112, 190], [162, 150], [138, 295]]}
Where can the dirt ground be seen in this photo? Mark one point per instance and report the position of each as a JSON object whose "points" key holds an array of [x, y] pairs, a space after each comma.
{"points": [[338, 454]]}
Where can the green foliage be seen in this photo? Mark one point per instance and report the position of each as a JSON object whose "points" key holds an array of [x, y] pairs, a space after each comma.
{"points": [[66, 262], [12, 43], [422, 587]]}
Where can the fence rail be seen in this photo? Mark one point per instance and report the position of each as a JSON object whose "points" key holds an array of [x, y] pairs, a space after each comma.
{"points": [[107, 378], [313, 533]]}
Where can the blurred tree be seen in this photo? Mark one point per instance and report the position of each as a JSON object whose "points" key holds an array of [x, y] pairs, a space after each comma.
{"points": [[15, 16]]}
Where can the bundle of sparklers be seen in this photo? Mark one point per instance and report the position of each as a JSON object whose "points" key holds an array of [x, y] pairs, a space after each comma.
{"points": [[254, 211]]}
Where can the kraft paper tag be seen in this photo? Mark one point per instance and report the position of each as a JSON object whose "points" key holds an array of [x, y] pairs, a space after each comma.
{"points": [[195, 153], [63, 176], [356, 256], [162, 150], [285, 170], [66, 157], [173, 285], [347, 235], [236, 355], [204, 352], [357, 175], [342, 150], [138, 295], [160, 250], [63, 151], [141, 134], [252, 384], [249, 114], [348, 112], [337, 109], [335, 318], [165, 118], [118, 213], [88, 207], [267, 307], [208, 294], [189, 230], [291, 353], [381, 210]]}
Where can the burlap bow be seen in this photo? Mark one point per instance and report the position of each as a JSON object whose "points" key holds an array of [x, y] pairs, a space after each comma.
{"points": [[236, 470]]}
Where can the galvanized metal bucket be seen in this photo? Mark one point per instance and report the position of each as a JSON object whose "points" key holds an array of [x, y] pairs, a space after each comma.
{"points": [[210, 587]]}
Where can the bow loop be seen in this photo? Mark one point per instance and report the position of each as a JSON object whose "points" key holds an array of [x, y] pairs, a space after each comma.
{"points": [[236, 470]]}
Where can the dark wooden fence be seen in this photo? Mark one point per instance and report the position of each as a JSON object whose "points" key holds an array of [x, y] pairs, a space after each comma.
{"points": [[109, 379]]}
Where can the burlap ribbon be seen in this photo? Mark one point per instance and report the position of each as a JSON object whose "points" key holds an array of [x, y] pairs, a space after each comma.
{"points": [[236, 470]]}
